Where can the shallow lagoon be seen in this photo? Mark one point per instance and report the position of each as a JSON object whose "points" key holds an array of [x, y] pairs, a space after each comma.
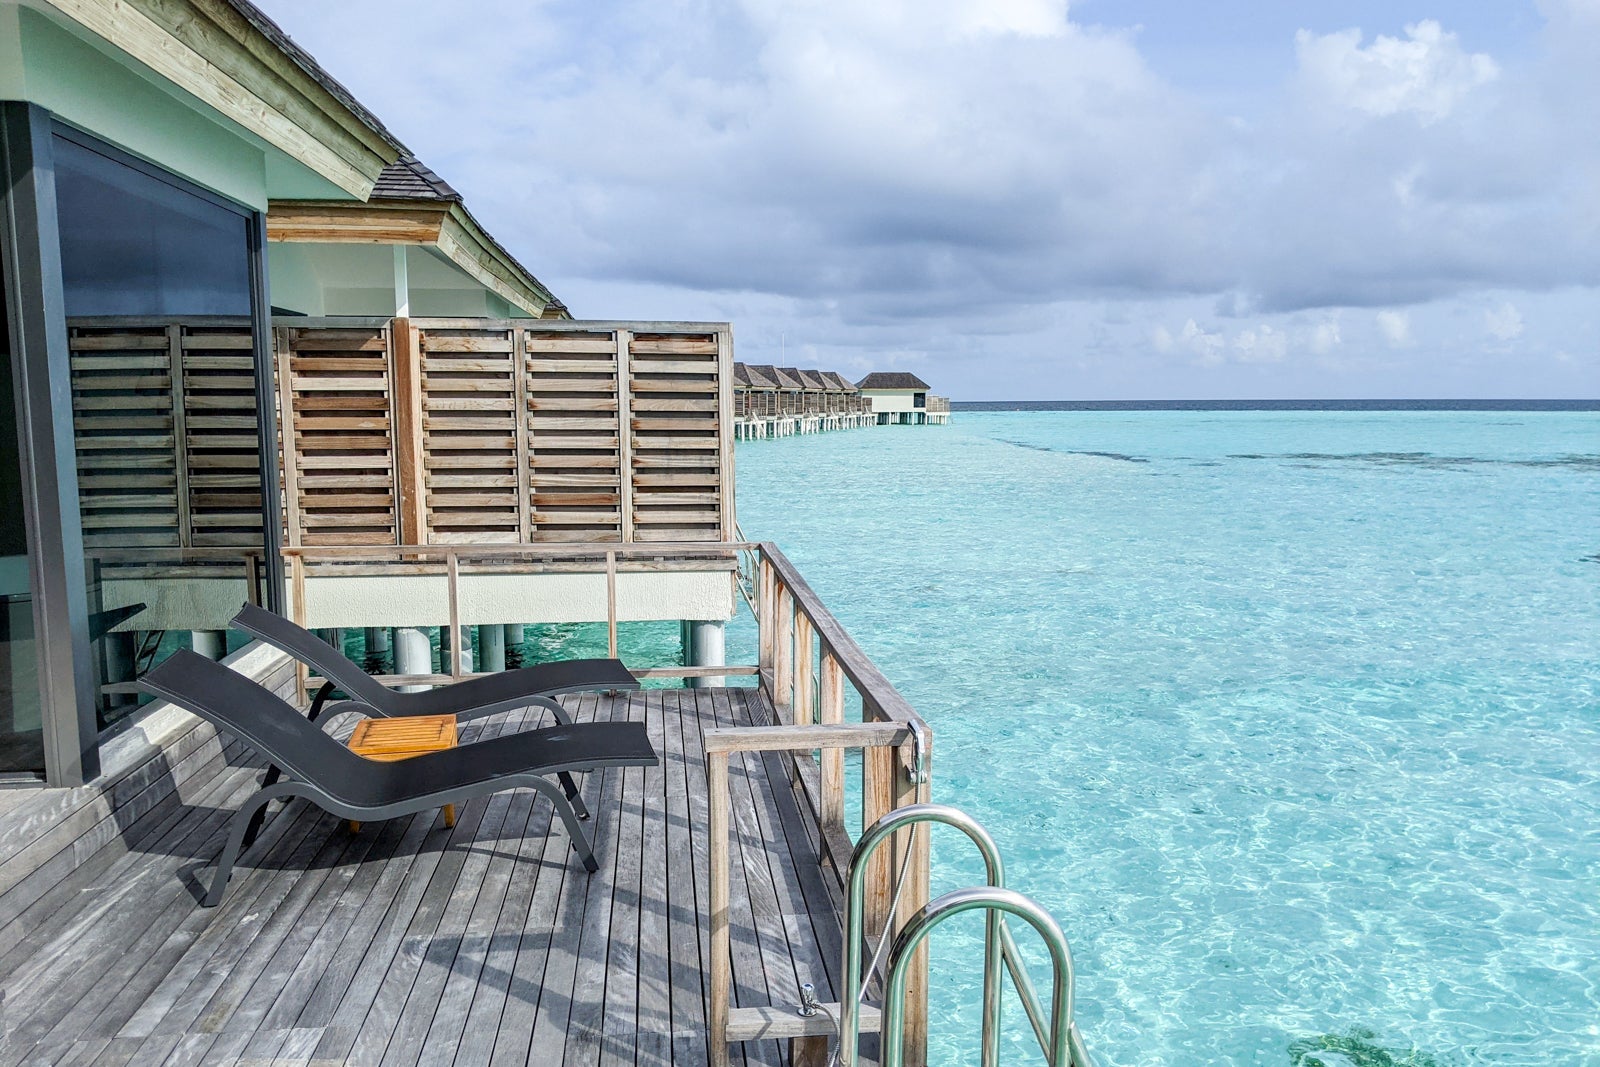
{"points": [[1292, 718]]}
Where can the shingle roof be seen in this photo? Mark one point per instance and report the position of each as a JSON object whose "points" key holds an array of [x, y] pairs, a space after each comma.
{"points": [[892, 380], [779, 378], [837, 382], [751, 377], [811, 379], [302, 59], [407, 179]]}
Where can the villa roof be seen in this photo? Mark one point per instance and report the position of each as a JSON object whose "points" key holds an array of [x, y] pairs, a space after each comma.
{"points": [[780, 378], [811, 379], [408, 179], [837, 383], [280, 40], [892, 380]]}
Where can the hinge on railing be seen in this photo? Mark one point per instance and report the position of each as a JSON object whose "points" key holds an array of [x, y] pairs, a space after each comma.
{"points": [[919, 761]]}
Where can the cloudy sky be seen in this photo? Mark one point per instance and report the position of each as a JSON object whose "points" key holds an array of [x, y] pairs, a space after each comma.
{"points": [[1026, 199]]}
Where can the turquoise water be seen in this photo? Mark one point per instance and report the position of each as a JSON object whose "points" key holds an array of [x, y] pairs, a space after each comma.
{"points": [[1291, 718]]}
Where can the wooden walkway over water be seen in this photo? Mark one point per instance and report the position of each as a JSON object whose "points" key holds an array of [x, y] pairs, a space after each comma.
{"points": [[410, 943]]}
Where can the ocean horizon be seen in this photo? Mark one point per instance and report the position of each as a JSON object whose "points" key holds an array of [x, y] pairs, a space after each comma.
{"points": [[1279, 405]]}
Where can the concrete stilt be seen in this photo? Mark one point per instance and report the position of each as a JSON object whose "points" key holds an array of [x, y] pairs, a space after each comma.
{"points": [[707, 647], [413, 654], [514, 633], [492, 647], [212, 644], [444, 650], [377, 640], [119, 655]]}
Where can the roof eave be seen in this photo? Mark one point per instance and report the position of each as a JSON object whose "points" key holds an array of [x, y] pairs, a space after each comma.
{"points": [[232, 58]]}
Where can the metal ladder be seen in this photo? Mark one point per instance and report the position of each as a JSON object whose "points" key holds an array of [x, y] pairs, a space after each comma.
{"points": [[1058, 1034]]}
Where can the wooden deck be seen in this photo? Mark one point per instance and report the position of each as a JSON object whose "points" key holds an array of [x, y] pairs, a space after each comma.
{"points": [[413, 944]]}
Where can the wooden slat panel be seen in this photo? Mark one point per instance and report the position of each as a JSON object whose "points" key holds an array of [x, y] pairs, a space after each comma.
{"points": [[341, 390], [573, 438], [469, 398], [127, 423]]}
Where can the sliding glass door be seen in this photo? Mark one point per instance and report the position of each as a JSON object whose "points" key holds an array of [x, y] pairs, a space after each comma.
{"points": [[21, 725]]}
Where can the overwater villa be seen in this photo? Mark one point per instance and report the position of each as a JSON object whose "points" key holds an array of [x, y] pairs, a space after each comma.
{"points": [[268, 375], [899, 397], [778, 402]]}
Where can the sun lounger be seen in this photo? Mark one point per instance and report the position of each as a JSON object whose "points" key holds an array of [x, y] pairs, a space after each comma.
{"points": [[471, 699], [328, 774]]}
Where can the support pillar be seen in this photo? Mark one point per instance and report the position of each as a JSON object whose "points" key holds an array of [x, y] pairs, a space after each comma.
{"points": [[492, 647], [514, 634], [212, 644], [377, 640], [413, 654], [706, 647]]}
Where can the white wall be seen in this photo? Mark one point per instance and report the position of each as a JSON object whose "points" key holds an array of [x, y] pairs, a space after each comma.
{"points": [[892, 400]]}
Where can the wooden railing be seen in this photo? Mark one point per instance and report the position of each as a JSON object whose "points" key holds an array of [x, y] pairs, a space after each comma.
{"points": [[797, 631], [938, 405], [447, 561], [807, 662]]}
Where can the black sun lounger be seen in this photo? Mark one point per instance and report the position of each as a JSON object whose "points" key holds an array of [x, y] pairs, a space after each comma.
{"points": [[328, 774], [471, 699]]}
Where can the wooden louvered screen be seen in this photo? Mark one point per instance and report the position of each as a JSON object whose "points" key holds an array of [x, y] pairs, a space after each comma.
{"points": [[335, 392], [472, 431], [470, 436], [126, 436], [166, 435], [574, 443], [223, 460], [677, 384]]}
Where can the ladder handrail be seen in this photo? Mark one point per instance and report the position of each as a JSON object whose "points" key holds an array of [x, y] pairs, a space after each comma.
{"points": [[999, 945], [855, 896], [1065, 1047]]}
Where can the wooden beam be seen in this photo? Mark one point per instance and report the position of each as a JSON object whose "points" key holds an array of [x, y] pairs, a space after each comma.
{"points": [[830, 712], [406, 418], [335, 222], [881, 736], [780, 1023]]}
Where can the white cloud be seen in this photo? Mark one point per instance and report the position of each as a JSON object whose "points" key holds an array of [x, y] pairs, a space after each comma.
{"points": [[1426, 74], [1504, 323], [1206, 347], [1325, 336], [1261, 344], [1395, 327]]}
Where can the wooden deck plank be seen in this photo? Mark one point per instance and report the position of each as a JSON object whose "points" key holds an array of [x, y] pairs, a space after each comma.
{"points": [[621, 1015], [88, 957], [541, 971], [583, 1017], [411, 945], [416, 940]]}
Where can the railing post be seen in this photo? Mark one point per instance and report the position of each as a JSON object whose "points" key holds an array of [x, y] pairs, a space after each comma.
{"points": [[611, 602], [721, 962], [766, 580], [452, 570], [804, 712], [917, 894], [830, 712], [879, 768], [783, 656]]}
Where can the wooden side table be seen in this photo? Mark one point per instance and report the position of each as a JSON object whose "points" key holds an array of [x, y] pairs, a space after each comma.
{"points": [[397, 739]]}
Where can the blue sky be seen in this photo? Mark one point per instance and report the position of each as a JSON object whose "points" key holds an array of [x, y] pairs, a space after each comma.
{"points": [[1025, 199]]}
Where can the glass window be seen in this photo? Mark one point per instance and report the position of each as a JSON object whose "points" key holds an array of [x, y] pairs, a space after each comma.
{"points": [[132, 244], [21, 729], [157, 285]]}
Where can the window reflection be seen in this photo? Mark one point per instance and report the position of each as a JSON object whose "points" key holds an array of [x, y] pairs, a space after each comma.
{"points": [[158, 298]]}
